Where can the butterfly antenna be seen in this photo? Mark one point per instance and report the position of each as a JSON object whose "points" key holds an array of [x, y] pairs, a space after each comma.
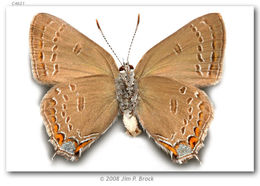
{"points": [[138, 20], [107, 41]]}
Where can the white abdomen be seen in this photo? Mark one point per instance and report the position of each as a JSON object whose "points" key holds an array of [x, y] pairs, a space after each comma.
{"points": [[131, 124]]}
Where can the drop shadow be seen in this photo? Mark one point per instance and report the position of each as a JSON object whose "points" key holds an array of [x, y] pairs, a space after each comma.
{"points": [[84, 156], [165, 157], [47, 145], [211, 88], [99, 142]]}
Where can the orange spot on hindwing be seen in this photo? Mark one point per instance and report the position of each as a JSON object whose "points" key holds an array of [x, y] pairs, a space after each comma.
{"points": [[59, 137], [193, 141], [53, 119], [201, 115], [201, 106], [169, 148], [82, 145], [52, 111], [53, 102], [56, 128], [199, 122], [197, 131]]}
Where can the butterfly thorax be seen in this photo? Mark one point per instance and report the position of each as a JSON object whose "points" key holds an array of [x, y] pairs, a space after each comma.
{"points": [[127, 97]]}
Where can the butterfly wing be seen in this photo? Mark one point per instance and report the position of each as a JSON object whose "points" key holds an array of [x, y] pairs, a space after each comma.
{"points": [[174, 114], [193, 54], [60, 53], [78, 112]]}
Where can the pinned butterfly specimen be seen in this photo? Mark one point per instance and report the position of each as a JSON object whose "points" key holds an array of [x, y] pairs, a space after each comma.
{"points": [[161, 94]]}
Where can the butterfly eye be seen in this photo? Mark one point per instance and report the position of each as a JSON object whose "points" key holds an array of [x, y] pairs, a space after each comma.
{"points": [[122, 68], [131, 67]]}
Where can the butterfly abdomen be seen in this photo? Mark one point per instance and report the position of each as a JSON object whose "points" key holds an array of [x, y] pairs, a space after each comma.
{"points": [[127, 97]]}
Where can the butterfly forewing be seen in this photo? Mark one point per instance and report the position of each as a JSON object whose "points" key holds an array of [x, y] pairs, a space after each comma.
{"points": [[60, 53], [193, 54], [77, 112], [175, 115]]}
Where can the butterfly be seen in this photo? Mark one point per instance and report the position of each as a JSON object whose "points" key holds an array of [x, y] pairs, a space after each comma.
{"points": [[161, 94]]}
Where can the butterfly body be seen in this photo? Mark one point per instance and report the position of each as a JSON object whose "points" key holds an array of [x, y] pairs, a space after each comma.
{"points": [[161, 93], [127, 97]]}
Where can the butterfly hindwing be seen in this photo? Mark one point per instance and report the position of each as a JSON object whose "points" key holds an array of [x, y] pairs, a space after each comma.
{"points": [[193, 54], [78, 112], [174, 114], [60, 53]]}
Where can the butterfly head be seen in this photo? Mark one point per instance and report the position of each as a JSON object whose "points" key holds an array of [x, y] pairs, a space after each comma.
{"points": [[126, 67]]}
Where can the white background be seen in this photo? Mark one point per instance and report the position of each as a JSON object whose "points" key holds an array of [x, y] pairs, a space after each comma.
{"points": [[27, 146], [236, 135]]}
